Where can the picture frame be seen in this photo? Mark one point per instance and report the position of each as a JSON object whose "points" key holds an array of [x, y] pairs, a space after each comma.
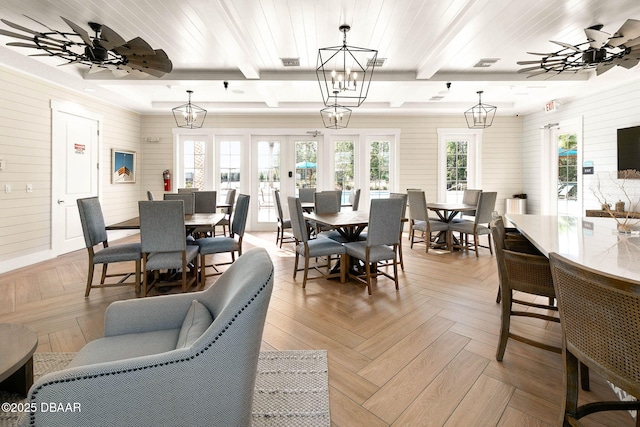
{"points": [[123, 166]]}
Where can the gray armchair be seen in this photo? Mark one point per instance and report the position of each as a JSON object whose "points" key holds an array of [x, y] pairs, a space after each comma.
{"points": [[141, 373]]}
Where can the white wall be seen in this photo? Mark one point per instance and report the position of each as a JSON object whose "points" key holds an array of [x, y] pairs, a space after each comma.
{"points": [[25, 145], [602, 114]]}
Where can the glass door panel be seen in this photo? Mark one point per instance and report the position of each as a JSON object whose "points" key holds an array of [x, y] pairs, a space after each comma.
{"points": [[193, 166], [344, 160], [306, 170], [568, 174], [230, 162], [268, 169], [379, 152], [457, 178]]}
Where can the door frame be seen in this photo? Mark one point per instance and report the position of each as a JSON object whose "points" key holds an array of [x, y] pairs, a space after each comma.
{"points": [[69, 108]]}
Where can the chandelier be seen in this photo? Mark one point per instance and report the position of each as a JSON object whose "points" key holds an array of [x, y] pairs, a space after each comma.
{"points": [[346, 70], [335, 116], [480, 116], [189, 115]]}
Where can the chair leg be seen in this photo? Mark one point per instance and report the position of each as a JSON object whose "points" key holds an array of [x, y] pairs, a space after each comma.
{"points": [[395, 271], [203, 267], [400, 253], [281, 236], [343, 268], [475, 243], [367, 269], [505, 323], [295, 266], [137, 285], [92, 267], [104, 273], [570, 401], [277, 235], [306, 271]]}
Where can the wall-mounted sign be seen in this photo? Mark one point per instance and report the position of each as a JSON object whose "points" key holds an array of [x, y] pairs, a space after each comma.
{"points": [[551, 106], [587, 167], [79, 148]]}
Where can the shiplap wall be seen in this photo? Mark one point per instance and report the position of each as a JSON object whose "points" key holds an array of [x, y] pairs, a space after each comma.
{"points": [[602, 115], [25, 145], [418, 149]]}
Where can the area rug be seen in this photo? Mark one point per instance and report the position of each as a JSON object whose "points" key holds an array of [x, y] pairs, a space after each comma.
{"points": [[292, 387]]}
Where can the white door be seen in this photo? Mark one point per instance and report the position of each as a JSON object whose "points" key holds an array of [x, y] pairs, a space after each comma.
{"points": [[74, 173]]}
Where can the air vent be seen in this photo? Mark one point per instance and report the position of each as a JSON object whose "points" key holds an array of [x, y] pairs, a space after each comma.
{"points": [[379, 62], [290, 62], [486, 62]]}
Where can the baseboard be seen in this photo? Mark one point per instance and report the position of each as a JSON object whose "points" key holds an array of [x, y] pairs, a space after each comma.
{"points": [[25, 261]]}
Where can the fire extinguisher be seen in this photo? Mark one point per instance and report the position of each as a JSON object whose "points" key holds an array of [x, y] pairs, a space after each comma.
{"points": [[166, 175]]}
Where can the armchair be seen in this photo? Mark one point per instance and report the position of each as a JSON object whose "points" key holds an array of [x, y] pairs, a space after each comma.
{"points": [[135, 375]]}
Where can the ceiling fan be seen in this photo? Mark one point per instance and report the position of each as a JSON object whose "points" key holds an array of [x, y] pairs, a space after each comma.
{"points": [[601, 52], [106, 50]]}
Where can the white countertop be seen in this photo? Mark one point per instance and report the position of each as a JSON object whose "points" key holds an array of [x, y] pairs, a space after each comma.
{"points": [[593, 242]]}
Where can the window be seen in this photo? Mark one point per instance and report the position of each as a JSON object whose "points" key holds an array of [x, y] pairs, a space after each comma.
{"points": [[306, 164], [192, 163], [344, 159], [458, 163], [230, 162], [379, 152]]}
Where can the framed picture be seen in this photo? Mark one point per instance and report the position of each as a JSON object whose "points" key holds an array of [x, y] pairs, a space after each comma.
{"points": [[123, 166]]}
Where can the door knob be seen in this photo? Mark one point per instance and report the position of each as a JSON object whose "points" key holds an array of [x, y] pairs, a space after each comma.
{"points": [[60, 201]]}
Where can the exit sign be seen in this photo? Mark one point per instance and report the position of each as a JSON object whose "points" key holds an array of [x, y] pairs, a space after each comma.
{"points": [[551, 106]]}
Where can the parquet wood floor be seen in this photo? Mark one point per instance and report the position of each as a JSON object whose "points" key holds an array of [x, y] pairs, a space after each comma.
{"points": [[423, 355]]}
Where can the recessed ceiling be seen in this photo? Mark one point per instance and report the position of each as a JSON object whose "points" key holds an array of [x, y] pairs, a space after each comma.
{"points": [[424, 46]]}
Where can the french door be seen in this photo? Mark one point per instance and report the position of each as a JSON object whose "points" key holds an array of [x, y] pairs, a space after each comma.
{"points": [[285, 163]]}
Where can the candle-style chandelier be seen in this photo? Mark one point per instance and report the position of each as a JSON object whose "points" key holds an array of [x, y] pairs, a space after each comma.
{"points": [[335, 116], [347, 70], [189, 115], [480, 116]]}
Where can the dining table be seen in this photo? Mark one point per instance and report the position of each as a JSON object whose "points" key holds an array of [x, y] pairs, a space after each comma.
{"points": [[592, 242], [191, 222], [349, 224], [447, 212]]}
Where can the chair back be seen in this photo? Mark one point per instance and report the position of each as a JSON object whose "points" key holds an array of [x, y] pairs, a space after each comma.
{"points": [[417, 205], [298, 224], [600, 318], [385, 218], [162, 226], [187, 190], [404, 198], [486, 206], [240, 215], [188, 200], [354, 199], [92, 221], [205, 201], [230, 200], [471, 197], [276, 196], [149, 195], [326, 202], [306, 194]]}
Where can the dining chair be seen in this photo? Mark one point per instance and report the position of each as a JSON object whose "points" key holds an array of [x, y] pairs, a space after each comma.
{"points": [[94, 231], [226, 221], [162, 235], [150, 195], [205, 201], [187, 198], [420, 221], [224, 244], [306, 194], [283, 223], [470, 197], [521, 272], [404, 198], [600, 319], [385, 217], [314, 248], [479, 226], [354, 199]]}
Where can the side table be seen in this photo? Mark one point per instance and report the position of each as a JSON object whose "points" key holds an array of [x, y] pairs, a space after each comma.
{"points": [[17, 345]]}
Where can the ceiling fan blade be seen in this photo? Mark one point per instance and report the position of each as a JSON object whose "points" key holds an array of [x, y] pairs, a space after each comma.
{"points": [[526, 70], [629, 31], [566, 45], [135, 46], [20, 27], [147, 70], [79, 31], [527, 62], [597, 39], [110, 39], [15, 35]]}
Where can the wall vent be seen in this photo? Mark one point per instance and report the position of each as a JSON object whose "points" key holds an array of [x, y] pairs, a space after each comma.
{"points": [[290, 62]]}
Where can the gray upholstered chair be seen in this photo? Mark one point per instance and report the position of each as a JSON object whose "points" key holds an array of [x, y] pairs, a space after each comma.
{"points": [[600, 319], [313, 248], [354, 199], [470, 197], [188, 190], [479, 226], [94, 232], [325, 202], [283, 223], [404, 198], [224, 244], [203, 202], [421, 222], [164, 363], [162, 234], [383, 234], [188, 198], [226, 221], [150, 195], [306, 194]]}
